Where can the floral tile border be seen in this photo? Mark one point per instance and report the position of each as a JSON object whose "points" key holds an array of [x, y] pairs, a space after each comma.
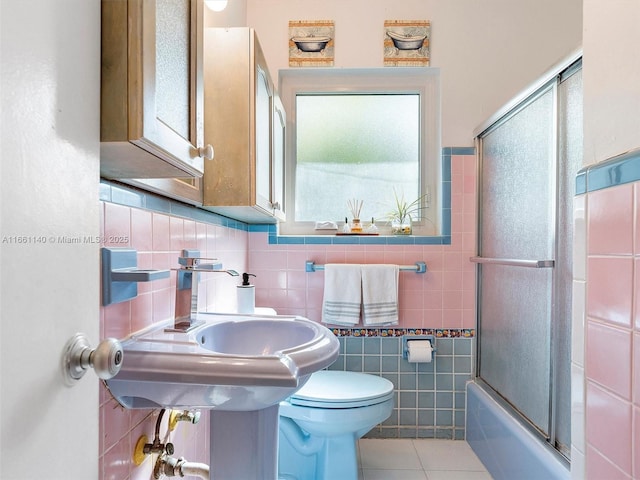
{"points": [[399, 332]]}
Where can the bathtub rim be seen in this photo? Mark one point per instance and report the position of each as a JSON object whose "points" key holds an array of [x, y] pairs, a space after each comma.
{"points": [[519, 428]]}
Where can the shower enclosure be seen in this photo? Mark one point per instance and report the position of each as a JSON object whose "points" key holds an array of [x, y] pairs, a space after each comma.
{"points": [[529, 156]]}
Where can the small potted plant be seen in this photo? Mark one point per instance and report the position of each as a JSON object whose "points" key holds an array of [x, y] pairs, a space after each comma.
{"points": [[401, 217]]}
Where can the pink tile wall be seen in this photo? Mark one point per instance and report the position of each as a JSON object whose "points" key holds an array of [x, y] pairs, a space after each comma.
{"points": [[444, 297], [613, 334], [159, 239]]}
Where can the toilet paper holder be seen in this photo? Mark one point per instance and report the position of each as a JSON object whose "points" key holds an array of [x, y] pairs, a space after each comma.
{"points": [[410, 338]]}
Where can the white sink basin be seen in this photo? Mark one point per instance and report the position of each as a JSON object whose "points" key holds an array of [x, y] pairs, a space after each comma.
{"points": [[255, 337], [231, 363]]}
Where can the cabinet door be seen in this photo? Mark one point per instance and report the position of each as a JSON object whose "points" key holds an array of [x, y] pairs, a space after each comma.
{"points": [[263, 139], [278, 175], [151, 96], [239, 120]]}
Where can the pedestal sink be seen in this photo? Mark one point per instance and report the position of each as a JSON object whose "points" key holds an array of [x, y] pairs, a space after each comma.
{"points": [[238, 366]]}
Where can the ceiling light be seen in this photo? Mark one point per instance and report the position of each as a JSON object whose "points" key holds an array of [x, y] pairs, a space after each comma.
{"points": [[216, 5]]}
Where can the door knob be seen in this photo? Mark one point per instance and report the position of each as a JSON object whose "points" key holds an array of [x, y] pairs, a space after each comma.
{"points": [[106, 359]]}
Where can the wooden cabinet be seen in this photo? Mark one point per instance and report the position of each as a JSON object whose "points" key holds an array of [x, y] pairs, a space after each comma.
{"points": [[151, 107], [245, 121]]}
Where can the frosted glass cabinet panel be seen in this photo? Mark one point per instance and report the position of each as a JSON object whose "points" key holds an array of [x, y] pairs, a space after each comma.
{"points": [[173, 39], [278, 177], [151, 89], [263, 138]]}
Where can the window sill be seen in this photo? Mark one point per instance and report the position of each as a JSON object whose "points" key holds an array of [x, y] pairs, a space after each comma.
{"points": [[275, 239], [359, 240]]}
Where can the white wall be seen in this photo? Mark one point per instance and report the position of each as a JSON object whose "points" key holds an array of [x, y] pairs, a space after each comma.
{"points": [[611, 86], [50, 60], [611, 71], [488, 51]]}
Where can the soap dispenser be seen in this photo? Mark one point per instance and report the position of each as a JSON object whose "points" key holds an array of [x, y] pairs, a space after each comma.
{"points": [[246, 295]]}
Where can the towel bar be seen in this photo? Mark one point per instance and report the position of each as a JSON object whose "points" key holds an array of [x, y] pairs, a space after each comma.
{"points": [[514, 262], [419, 267]]}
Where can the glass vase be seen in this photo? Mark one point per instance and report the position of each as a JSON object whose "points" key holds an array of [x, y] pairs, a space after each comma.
{"points": [[401, 226]]}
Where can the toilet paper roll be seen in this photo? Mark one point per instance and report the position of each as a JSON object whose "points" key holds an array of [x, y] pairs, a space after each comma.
{"points": [[420, 351]]}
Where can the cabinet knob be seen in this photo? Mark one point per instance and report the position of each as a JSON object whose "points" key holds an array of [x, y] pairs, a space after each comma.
{"points": [[206, 152], [275, 205]]}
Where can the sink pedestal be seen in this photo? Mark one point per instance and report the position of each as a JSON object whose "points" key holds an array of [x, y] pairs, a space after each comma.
{"points": [[244, 445], [240, 367]]}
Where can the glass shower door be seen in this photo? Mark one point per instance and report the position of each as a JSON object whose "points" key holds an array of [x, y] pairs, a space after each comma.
{"points": [[529, 159], [516, 250]]}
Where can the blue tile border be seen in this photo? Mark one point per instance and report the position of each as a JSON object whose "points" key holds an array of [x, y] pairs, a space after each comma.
{"points": [[275, 239], [129, 196], [459, 150], [133, 197], [444, 239], [581, 182], [618, 170]]}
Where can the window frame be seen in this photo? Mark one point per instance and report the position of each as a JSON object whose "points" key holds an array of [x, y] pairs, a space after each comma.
{"points": [[424, 81]]}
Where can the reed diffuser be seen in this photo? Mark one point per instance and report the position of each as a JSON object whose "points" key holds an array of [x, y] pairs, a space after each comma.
{"points": [[356, 207]]}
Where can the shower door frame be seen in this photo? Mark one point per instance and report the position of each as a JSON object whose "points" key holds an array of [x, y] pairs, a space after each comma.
{"points": [[548, 86], [550, 81]]}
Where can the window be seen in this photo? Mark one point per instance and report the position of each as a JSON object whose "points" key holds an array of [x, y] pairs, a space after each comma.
{"points": [[365, 134]]}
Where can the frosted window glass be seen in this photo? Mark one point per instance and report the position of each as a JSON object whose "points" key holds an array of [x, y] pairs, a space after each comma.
{"points": [[355, 146], [172, 64]]}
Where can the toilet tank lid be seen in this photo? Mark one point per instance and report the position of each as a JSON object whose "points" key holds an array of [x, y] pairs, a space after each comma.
{"points": [[339, 387]]}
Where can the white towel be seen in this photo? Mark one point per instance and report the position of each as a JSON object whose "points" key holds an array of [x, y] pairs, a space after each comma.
{"points": [[342, 294], [380, 294]]}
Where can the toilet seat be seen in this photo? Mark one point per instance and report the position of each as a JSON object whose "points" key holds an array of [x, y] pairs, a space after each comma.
{"points": [[338, 389]]}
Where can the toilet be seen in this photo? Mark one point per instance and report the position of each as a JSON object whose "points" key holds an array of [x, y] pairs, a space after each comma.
{"points": [[321, 423]]}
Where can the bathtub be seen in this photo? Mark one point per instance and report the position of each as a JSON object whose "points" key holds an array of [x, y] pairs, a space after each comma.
{"points": [[506, 448]]}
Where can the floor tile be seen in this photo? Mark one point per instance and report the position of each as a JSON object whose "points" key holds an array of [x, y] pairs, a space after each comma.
{"points": [[428, 459], [397, 454], [456, 475], [447, 455], [394, 475]]}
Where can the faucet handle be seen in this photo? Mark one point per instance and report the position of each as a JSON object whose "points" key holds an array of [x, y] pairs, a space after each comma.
{"points": [[192, 259], [193, 262]]}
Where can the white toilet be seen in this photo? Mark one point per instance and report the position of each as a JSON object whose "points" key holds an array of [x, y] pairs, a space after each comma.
{"points": [[321, 423]]}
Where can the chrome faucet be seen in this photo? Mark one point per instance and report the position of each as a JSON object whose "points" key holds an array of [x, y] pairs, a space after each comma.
{"points": [[191, 264]]}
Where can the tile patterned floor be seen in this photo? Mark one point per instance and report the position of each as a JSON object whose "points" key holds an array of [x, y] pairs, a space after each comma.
{"points": [[406, 459]]}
